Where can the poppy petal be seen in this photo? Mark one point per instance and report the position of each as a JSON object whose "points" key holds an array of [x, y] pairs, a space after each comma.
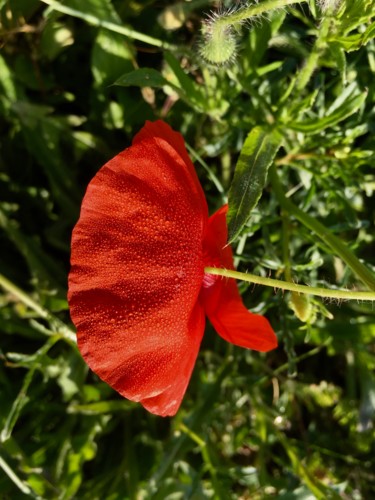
{"points": [[181, 364], [161, 130], [137, 269], [220, 296]]}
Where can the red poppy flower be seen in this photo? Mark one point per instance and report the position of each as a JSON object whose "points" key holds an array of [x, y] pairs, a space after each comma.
{"points": [[138, 294]]}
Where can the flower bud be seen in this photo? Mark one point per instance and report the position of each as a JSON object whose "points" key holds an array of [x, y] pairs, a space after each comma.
{"points": [[302, 307], [219, 43]]}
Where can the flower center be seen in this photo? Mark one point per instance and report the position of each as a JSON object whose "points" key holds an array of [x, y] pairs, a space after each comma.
{"points": [[209, 280], [210, 261]]}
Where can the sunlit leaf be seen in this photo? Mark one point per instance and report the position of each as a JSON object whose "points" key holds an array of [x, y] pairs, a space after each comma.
{"points": [[348, 103], [250, 176], [145, 77]]}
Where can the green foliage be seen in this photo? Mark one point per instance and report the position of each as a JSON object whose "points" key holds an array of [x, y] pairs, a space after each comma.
{"points": [[257, 154], [291, 121]]}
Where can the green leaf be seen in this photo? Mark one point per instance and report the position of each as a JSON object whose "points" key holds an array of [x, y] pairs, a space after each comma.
{"points": [[44, 135], [7, 85], [354, 14], [149, 77], [101, 14], [345, 105], [21, 8], [44, 269], [338, 55], [111, 57], [102, 9], [144, 77], [257, 154], [187, 84], [55, 38], [101, 407], [19, 402], [80, 449]]}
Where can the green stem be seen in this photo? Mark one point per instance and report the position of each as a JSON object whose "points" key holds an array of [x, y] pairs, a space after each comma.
{"points": [[318, 49], [195, 421], [206, 457], [16, 480], [285, 247], [254, 10], [208, 169], [338, 247], [285, 367], [293, 287], [300, 304], [58, 325], [109, 25]]}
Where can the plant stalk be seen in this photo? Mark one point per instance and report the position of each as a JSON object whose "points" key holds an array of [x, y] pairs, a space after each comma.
{"points": [[254, 10], [109, 25], [293, 287], [319, 47]]}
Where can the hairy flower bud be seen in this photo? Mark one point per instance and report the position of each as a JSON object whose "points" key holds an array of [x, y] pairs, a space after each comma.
{"points": [[218, 46]]}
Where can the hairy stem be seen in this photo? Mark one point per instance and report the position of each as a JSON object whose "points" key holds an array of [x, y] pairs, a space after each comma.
{"points": [[254, 10], [293, 287]]}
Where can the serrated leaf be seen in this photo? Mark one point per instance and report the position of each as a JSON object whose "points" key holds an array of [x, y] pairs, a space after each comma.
{"points": [[257, 154]]}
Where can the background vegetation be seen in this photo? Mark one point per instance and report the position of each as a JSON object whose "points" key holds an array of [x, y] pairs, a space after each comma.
{"points": [[296, 423]]}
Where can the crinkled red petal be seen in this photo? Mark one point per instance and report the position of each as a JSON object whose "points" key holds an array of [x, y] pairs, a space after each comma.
{"points": [[137, 269], [221, 299]]}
